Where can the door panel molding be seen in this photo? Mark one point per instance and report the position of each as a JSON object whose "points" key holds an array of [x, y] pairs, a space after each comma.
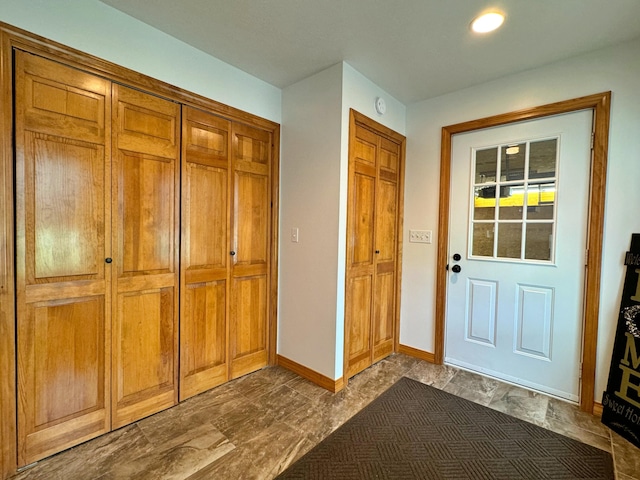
{"points": [[374, 251], [13, 39], [600, 105]]}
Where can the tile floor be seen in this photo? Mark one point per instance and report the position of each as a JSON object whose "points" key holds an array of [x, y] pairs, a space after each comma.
{"points": [[255, 426]]}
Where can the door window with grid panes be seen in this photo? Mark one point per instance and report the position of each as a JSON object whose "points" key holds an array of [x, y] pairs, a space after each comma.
{"points": [[514, 201]]}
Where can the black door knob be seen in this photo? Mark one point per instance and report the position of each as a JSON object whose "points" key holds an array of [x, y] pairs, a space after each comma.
{"points": [[108, 260], [377, 252], [456, 269], [232, 253], [456, 257]]}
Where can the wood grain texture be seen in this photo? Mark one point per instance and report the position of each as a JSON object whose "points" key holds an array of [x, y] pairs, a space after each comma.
{"points": [[206, 237], [399, 250], [249, 327], [597, 409], [417, 353], [334, 386], [146, 165], [14, 39], [63, 286], [273, 249], [374, 225], [8, 444], [600, 104]]}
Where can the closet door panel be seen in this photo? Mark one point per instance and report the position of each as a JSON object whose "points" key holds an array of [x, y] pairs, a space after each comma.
{"points": [[206, 217], [145, 237], [365, 149], [386, 217], [251, 222], [373, 219], [386, 244], [384, 313], [204, 337], [359, 311], [248, 330], [66, 240], [361, 240], [146, 123], [361, 256], [62, 374], [205, 252], [147, 214], [144, 349], [68, 339], [250, 247], [61, 101], [63, 295], [389, 156]]}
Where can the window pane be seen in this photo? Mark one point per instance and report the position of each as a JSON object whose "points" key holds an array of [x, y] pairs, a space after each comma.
{"points": [[512, 162], [509, 240], [542, 158], [539, 241], [486, 164], [541, 200], [484, 203], [482, 239], [511, 202]]}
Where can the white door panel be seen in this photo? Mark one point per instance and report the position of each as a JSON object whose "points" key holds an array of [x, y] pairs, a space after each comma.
{"points": [[519, 201]]}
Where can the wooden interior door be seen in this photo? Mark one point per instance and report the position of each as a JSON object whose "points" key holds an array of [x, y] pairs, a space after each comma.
{"points": [[361, 257], [374, 216], [250, 247], [205, 250], [386, 248], [146, 172], [62, 240]]}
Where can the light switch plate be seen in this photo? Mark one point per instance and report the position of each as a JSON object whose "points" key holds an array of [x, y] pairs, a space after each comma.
{"points": [[295, 235], [420, 236]]}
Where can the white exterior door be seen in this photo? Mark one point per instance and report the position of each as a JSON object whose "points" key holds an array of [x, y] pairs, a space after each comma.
{"points": [[517, 249]]}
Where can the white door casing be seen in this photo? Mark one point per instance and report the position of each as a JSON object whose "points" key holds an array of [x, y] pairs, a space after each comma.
{"points": [[512, 312]]}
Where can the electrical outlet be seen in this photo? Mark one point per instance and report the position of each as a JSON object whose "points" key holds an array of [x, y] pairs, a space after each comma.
{"points": [[420, 236]]}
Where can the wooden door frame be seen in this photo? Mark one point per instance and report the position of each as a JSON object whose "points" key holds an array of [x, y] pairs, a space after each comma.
{"points": [[355, 118], [14, 38], [600, 105]]}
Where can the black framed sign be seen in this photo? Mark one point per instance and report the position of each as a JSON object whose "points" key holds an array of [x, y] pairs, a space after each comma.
{"points": [[621, 399]]}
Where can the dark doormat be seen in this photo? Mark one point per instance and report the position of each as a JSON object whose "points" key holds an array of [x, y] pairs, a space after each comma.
{"points": [[414, 431]]}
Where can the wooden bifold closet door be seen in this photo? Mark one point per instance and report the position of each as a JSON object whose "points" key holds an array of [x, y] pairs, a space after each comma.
{"points": [[146, 171], [225, 250], [373, 243], [204, 275], [96, 255], [112, 324], [63, 236], [251, 238]]}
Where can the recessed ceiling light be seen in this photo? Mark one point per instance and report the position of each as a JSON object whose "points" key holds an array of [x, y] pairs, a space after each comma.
{"points": [[487, 22]]}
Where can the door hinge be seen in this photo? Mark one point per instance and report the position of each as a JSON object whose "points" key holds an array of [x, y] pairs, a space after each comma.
{"points": [[580, 374], [593, 139], [586, 257]]}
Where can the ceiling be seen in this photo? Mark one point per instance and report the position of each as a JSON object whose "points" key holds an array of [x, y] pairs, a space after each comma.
{"points": [[413, 49]]}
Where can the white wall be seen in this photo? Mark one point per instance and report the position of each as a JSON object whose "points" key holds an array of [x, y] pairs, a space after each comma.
{"points": [[310, 201], [314, 170], [616, 69], [95, 28]]}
